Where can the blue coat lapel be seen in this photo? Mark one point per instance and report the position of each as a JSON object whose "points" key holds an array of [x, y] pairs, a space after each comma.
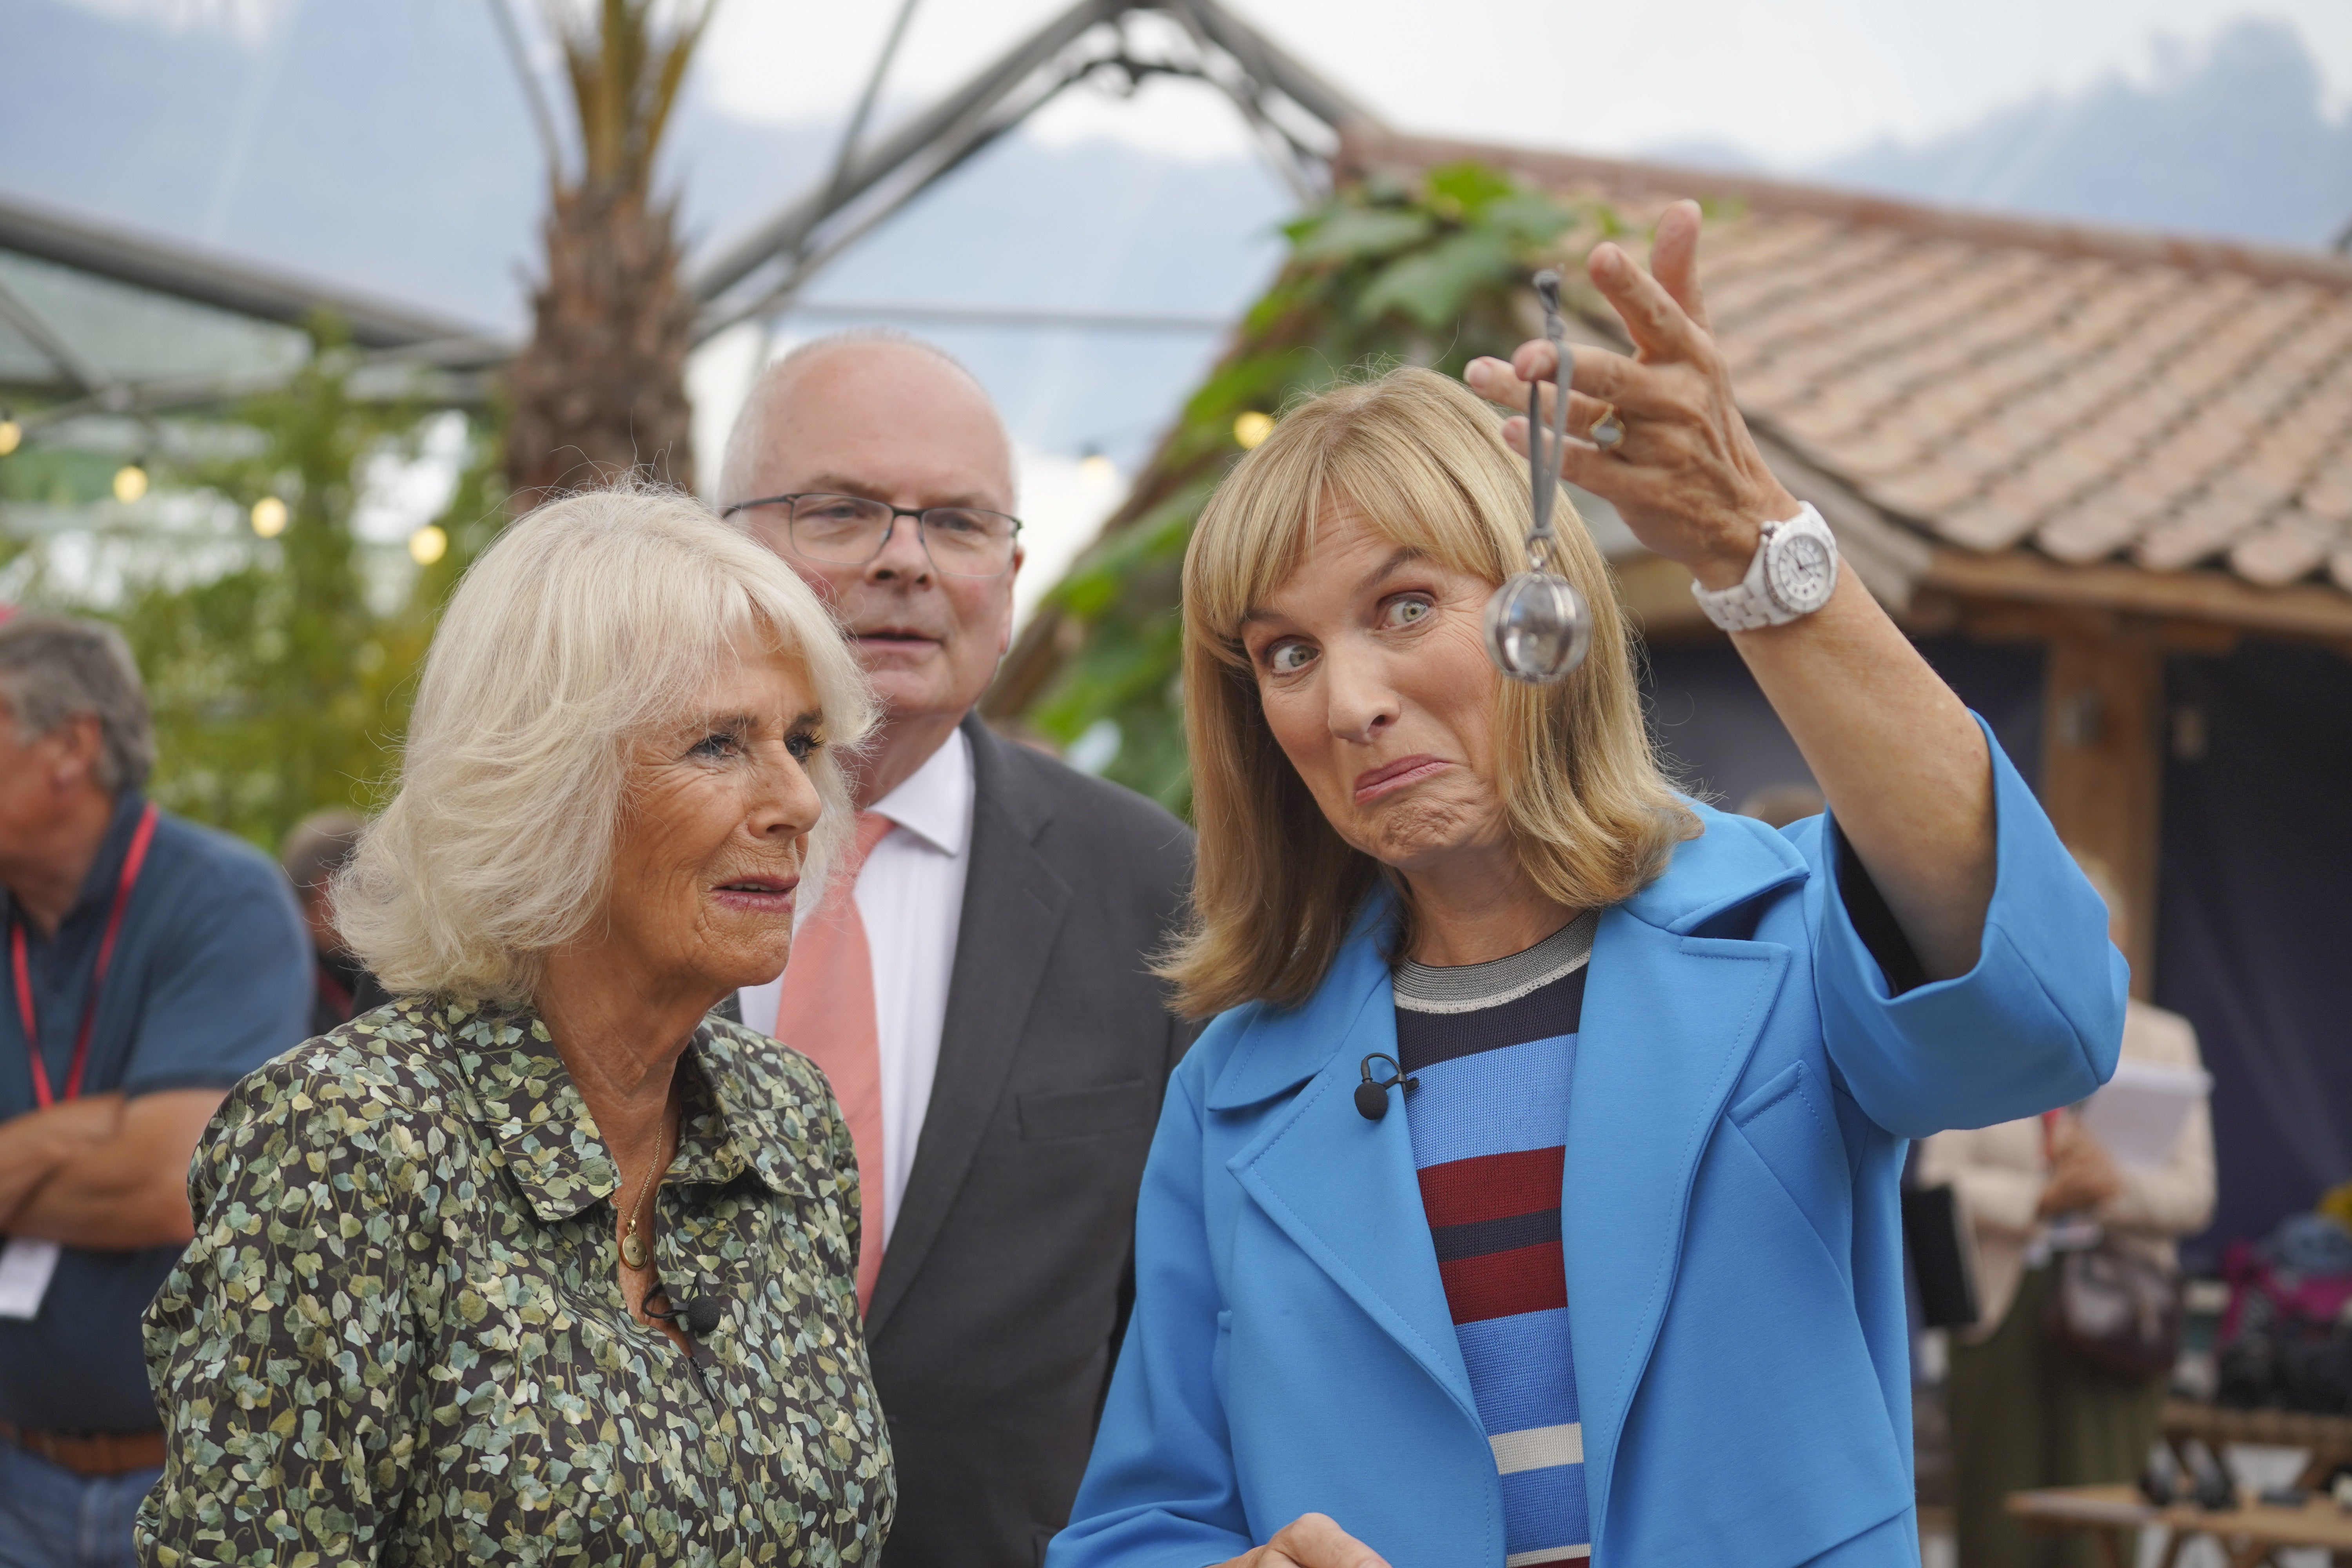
{"points": [[1342, 1188], [1670, 1021]]}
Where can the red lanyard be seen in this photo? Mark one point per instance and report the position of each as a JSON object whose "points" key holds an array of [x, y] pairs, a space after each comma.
{"points": [[144, 835], [337, 994]]}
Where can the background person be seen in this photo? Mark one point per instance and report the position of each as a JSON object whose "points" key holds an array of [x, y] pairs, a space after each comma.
{"points": [[2025, 1410], [319, 846], [544, 1262], [1533, 1197], [154, 963], [982, 1002]]}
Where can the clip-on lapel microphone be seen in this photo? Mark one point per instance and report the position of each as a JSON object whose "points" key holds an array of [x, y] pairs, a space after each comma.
{"points": [[1373, 1094]]}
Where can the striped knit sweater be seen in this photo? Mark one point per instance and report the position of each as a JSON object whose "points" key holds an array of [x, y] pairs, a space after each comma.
{"points": [[1492, 1046]]}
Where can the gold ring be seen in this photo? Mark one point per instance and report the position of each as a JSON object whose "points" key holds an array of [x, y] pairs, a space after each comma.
{"points": [[1607, 431]]}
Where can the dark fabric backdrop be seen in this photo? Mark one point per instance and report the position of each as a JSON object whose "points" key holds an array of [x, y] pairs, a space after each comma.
{"points": [[2254, 922], [1713, 723]]}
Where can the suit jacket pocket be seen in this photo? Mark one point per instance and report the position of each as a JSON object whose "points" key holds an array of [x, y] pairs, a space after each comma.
{"points": [[1090, 1112], [1796, 1138]]}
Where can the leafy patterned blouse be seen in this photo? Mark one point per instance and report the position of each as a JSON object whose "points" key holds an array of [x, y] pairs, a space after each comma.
{"points": [[399, 1337]]}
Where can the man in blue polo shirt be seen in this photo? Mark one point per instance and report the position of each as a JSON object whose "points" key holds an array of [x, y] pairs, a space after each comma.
{"points": [[150, 964]]}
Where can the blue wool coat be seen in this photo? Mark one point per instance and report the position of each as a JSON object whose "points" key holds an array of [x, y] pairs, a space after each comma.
{"points": [[1744, 1088]]}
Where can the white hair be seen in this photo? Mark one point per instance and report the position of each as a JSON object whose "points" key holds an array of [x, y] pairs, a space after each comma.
{"points": [[739, 462], [590, 623]]}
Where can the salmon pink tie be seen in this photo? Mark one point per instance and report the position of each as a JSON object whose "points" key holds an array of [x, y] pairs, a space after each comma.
{"points": [[825, 1010]]}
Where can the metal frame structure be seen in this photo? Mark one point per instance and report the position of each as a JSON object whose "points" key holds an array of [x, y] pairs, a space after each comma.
{"points": [[1297, 116], [409, 344]]}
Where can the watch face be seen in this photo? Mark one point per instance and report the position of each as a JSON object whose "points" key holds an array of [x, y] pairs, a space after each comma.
{"points": [[1800, 570]]}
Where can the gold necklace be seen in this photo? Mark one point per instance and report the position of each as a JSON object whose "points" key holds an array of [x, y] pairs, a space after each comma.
{"points": [[633, 1251]]}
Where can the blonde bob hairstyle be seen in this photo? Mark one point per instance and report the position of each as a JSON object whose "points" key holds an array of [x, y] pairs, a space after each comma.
{"points": [[1420, 460], [593, 622]]}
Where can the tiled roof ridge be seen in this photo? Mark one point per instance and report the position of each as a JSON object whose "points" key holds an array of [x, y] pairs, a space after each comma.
{"points": [[1365, 149]]}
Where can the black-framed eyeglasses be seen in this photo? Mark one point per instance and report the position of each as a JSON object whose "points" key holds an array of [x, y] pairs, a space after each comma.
{"points": [[850, 531]]}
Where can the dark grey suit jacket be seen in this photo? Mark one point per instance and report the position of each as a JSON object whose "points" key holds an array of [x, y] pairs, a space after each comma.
{"points": [[1007, 1281]]}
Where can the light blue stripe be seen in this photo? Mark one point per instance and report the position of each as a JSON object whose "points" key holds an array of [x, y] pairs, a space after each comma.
{"points": [[1503, 1101], [1522, 1369], [1545, 1508]]}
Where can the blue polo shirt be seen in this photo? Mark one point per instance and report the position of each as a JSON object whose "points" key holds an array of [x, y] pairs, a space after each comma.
{"points": [[211, 978]]}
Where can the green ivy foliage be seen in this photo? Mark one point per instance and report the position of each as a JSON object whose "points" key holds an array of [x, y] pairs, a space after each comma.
{"points": [[1380, 273]]}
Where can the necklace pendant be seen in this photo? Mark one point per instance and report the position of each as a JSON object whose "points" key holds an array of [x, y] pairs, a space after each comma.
{"points": [[633, 1250]]}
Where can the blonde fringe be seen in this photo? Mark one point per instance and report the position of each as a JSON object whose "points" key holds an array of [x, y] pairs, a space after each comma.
{"points": [[1421, 461]]}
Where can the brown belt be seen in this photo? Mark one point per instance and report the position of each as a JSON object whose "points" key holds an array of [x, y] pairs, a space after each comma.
{"points": [[91, 1453]]}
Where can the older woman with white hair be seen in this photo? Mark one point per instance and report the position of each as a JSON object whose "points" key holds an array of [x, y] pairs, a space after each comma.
{"points": [[541, 1261]]}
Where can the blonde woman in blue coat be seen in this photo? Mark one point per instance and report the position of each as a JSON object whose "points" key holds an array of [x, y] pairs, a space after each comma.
{"points": [[1532, 1197]]}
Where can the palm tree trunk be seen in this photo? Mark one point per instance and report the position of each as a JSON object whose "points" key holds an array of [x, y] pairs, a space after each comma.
{"points": [[601, 391]]}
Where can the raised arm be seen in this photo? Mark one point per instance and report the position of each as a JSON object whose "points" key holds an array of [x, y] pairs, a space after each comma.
{"points": [[1904, 767]]}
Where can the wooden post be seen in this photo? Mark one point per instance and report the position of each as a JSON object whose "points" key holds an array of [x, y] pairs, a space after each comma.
{"points": [[2103, 763]]}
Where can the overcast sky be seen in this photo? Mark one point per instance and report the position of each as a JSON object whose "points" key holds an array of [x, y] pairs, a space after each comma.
{"points": [[1789, 80]]}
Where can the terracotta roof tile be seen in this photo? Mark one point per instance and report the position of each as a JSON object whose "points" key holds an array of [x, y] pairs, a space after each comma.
{"points": [[2207, 524], [2094, 529], [2291, 546], [1879, 455], [1927, 489], [2329, 492], [1987, 523]]}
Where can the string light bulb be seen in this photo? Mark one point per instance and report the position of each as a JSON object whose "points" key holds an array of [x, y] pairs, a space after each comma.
{"points": [[427, 545], [1097, 469], [1253, 428], [270, 517], [130, 482], [12, 435]]}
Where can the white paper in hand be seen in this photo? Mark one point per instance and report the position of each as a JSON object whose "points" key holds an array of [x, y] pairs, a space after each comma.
{"points": [[2140, 1113], [26, 1266]]}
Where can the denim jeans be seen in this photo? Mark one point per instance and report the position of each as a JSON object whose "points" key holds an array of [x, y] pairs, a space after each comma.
{"points": [[52, 1518]]}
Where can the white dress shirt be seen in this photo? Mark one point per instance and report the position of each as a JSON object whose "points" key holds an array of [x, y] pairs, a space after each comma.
{"points": [[910, 899]]}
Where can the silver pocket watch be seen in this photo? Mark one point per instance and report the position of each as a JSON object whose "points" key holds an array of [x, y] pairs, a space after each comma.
{"points": [[1538, 627]]}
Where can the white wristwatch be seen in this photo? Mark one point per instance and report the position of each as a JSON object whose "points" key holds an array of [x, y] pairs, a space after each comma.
{"points": [[1795, 568]]}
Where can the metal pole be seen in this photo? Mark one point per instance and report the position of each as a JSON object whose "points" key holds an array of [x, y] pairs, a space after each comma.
{"points": [[92, 380], [788, 232], [855, 129]]}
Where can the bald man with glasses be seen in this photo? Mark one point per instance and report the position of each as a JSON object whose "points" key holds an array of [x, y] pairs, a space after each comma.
{"points": [[982, 999]]}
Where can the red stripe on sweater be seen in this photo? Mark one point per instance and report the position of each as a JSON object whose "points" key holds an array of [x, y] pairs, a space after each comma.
{"points": [[1491, 1186], [1505, 1284]]}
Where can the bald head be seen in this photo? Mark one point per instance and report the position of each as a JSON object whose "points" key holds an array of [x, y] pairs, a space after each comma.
{"points": [[854, 389], [885, 419]]}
